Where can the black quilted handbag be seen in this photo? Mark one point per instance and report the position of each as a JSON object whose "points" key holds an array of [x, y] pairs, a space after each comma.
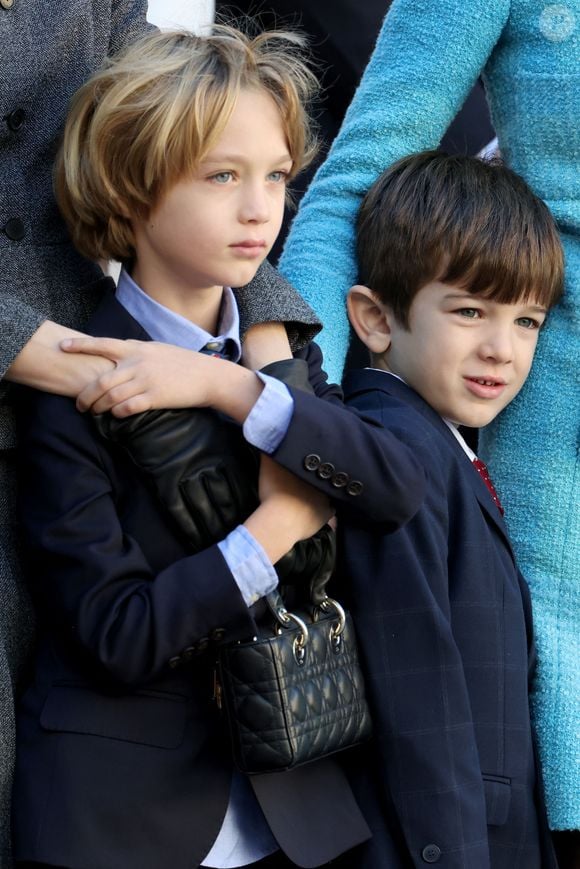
{"points": [[296, 693]]}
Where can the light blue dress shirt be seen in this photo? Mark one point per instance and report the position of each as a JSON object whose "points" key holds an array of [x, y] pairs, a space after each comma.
{"points": [[245, 836]]}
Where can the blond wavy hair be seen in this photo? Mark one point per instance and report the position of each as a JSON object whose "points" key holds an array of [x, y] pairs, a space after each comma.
{"points": [[148, 118]]}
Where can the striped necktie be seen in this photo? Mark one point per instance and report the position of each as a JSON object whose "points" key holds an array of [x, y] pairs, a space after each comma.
{"points": [[222, 349]]}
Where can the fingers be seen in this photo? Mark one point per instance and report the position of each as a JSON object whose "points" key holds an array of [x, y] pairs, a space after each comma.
{"points": [[109, 389], [134, 404], [122, 399], [113, 348]]}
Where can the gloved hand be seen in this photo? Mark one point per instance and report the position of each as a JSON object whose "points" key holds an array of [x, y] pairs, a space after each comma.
{"points": [[292, 372], [197, 463], [308, 566]]}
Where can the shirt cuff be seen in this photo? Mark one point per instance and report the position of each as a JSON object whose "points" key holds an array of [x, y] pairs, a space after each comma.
{"points": [[249, 565], [267, 422]]}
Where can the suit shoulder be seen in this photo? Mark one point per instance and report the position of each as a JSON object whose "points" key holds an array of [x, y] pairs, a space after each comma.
{"points": [[43, 417]]}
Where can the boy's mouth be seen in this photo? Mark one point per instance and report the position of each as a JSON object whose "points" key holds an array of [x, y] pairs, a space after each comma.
{"points": [[249, 246], [487, 381], [485, 387]]}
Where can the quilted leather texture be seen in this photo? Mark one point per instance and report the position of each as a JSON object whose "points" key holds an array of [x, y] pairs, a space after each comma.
{"points": [[281, 715]]}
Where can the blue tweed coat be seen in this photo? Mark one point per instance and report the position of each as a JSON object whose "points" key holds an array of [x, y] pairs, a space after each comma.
{"points": [[427, 57]]}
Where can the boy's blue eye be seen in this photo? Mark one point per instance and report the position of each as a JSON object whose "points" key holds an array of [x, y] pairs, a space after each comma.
{"points": [[278, 175], [222, 177]]}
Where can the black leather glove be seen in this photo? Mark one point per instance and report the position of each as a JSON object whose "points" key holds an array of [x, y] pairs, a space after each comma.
{"points": [[198, 464], [308, 566], [292, 372]]}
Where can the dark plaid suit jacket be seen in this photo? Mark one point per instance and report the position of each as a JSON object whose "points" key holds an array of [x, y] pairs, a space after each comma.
{"points": [[444, 621]]}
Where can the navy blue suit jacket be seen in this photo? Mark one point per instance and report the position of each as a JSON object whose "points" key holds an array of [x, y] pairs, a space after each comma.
{"points": [[123, 762], [444, 621]]}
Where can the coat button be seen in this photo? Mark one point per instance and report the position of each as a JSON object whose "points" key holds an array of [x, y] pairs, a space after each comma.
{"points": [[354, 488], [431, 853], [340, 479], [202, 644], [325, 471], [6, 4], [175, 662], [15, 119], [311, 462], [217, 635], [14, 228], [188, 653]]}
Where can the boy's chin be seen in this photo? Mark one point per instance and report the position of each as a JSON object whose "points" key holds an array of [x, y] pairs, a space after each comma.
{"points": [[244, 275], [477, 419]]}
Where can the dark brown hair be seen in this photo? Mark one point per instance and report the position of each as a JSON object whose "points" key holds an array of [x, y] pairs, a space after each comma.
{"points": [[459, 220]]}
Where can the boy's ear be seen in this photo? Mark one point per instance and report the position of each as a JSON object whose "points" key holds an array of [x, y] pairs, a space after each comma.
{"points": [[369, 318]]}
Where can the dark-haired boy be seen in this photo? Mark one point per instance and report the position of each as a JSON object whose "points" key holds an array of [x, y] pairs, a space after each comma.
{"points": [[460, 263]]}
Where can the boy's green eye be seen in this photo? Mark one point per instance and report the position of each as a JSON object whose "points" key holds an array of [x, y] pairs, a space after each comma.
{"points": [[471, 313], [528, 323]]}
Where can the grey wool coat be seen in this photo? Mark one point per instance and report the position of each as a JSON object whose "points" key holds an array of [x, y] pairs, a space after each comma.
{"points": [[48, 50]]}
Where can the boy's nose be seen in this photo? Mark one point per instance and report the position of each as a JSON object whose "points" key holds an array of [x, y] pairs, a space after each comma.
{"points": [[255, 206], [497, 345]]}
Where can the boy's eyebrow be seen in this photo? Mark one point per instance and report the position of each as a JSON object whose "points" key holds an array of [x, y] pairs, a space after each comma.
{"points": [[240, 158]]}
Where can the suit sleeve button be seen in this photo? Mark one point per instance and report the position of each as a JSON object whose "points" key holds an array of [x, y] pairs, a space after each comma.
{"points": [[325, 471], [354, 488], [202, 644], [340, 479], [217, 635], [175, 661], [15, 119], [311, 462], [431, 853], [188, 653], [14, 229]]}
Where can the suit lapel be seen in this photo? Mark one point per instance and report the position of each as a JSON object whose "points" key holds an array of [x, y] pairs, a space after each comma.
{"points": [[112, 320], [358, 382]]}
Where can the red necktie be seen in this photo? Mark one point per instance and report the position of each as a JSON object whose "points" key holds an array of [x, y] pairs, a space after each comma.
{"points": [[481, 468]]}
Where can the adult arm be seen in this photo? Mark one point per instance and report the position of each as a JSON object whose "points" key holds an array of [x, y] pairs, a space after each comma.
{"points": [[428, 55], [41, 363]]}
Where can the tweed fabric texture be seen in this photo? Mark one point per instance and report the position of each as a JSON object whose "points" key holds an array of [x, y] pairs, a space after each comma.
{"points": [[428, 55], [41, 273]]}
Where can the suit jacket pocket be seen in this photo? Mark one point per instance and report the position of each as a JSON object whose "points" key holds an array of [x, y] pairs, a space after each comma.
{"points": [[498, 794], [156, 720]]}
